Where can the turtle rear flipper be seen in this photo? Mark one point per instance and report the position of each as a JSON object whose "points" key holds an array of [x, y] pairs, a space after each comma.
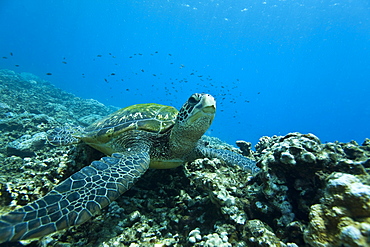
{"points": [[230, 158], [76, 199], [64, 136]]}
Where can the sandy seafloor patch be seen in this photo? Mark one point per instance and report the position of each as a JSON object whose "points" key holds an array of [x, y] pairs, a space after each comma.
{"points": [[306, 194]]}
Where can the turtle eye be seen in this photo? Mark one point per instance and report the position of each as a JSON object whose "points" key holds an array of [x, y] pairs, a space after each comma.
{"points": [[193, 99]]}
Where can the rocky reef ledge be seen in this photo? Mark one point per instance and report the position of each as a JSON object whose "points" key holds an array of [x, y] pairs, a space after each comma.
{"points": [[307, 193]]}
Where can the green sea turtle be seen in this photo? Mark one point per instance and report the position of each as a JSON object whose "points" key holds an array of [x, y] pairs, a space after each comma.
{"points": [[133, 138]]}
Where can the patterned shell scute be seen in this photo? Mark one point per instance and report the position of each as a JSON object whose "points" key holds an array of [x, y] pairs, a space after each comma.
{"points": [[148, 117]]}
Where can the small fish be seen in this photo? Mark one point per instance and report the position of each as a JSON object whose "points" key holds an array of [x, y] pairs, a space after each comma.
{"points": [[140, 54], [105, 80], [64, 62], [112, 74], [5, 58], [16, 65], [11, 53], [169, 54], [154, 75], [99, 55], [142, 70], [48, 73], [130, 57], [156, 52]]}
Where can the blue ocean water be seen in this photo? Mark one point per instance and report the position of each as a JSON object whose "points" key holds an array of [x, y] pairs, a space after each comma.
{"points": [[274, 66]]}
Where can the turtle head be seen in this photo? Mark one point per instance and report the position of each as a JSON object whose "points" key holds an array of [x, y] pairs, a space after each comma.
{"points": [[199, 108], [192, 121]]}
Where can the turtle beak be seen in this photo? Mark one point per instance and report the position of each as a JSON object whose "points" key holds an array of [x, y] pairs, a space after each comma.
{"points": [[209, 109], [208, 104]]}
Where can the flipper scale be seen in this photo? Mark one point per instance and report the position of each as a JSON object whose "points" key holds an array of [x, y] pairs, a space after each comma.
{"points": [[64, 136], [230, 158], [76, 199]]}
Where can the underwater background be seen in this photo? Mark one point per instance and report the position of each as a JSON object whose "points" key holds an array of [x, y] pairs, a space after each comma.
{"points": [[274, 66], [278, 70]]}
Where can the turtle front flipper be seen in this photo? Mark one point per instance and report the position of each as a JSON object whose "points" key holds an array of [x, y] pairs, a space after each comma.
{"points": [[230, 158], [76, 199], [64, 136]]}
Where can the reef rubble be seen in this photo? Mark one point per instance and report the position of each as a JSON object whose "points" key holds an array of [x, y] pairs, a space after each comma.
{"points": [[307, 193]]}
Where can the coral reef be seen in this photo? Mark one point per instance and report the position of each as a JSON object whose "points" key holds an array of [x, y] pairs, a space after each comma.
{"points": [[307, 193], [343, 216]]}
